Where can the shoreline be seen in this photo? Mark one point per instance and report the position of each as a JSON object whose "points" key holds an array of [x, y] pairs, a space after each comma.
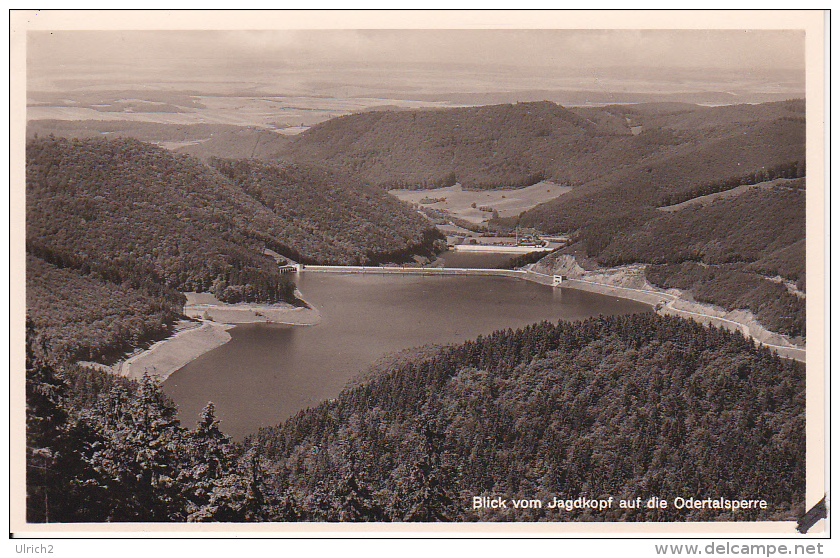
{"points": [[628, 282], [249, 313], [168, 355], [671, 302]]}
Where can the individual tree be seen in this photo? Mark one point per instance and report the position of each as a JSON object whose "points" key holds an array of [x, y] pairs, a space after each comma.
{"points": [[431, 496], [353, 497], [61, 482], [217, 492]]}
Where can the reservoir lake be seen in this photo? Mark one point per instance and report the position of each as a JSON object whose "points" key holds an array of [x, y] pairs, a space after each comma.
{"points": [[268, 372]]}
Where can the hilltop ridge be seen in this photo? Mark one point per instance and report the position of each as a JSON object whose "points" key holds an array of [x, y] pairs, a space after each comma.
{"points": [[480, 147]]}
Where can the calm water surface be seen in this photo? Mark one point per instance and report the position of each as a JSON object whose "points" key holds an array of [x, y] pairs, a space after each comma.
{"points": [[267, 372], [451, 258]]}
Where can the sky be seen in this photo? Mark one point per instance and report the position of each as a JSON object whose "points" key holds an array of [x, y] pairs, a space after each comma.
{"points": [[195, 54]]}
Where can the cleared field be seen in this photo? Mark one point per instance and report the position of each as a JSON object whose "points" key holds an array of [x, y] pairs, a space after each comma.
{"points": [[459, 202]]}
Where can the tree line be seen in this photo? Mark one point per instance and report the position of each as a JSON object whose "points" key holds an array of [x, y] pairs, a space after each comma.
{"points": [[87, 317], [794, 169]]}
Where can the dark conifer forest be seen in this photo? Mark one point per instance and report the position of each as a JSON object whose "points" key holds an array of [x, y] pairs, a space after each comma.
{"points": [[639, 405], [102, 448]]}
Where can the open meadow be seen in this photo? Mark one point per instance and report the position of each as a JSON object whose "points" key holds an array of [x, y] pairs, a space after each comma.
{"points": [[467, 204]]}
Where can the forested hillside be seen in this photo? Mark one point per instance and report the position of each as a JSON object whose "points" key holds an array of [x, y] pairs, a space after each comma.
{"points": [[480, 147], [88, 316], [632, 406], [680, 155], [332, 219], [679, 147], [732, 252], [127, 216], [123, 196], [745, 228], [628, 406]]}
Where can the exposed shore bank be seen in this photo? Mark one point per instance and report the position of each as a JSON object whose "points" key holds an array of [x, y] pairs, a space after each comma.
{"points": [[165, 357], [630, 282], [207, 307], [209, 329]]}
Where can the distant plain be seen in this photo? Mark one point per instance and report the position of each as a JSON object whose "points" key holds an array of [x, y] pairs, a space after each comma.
{"points": [[292, 100]]}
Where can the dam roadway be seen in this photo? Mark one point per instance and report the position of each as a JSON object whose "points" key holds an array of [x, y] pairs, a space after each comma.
{"points": [[517, 273]]}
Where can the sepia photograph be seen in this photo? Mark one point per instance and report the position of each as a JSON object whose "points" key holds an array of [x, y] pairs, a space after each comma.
{"points": [[303, 270]]}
